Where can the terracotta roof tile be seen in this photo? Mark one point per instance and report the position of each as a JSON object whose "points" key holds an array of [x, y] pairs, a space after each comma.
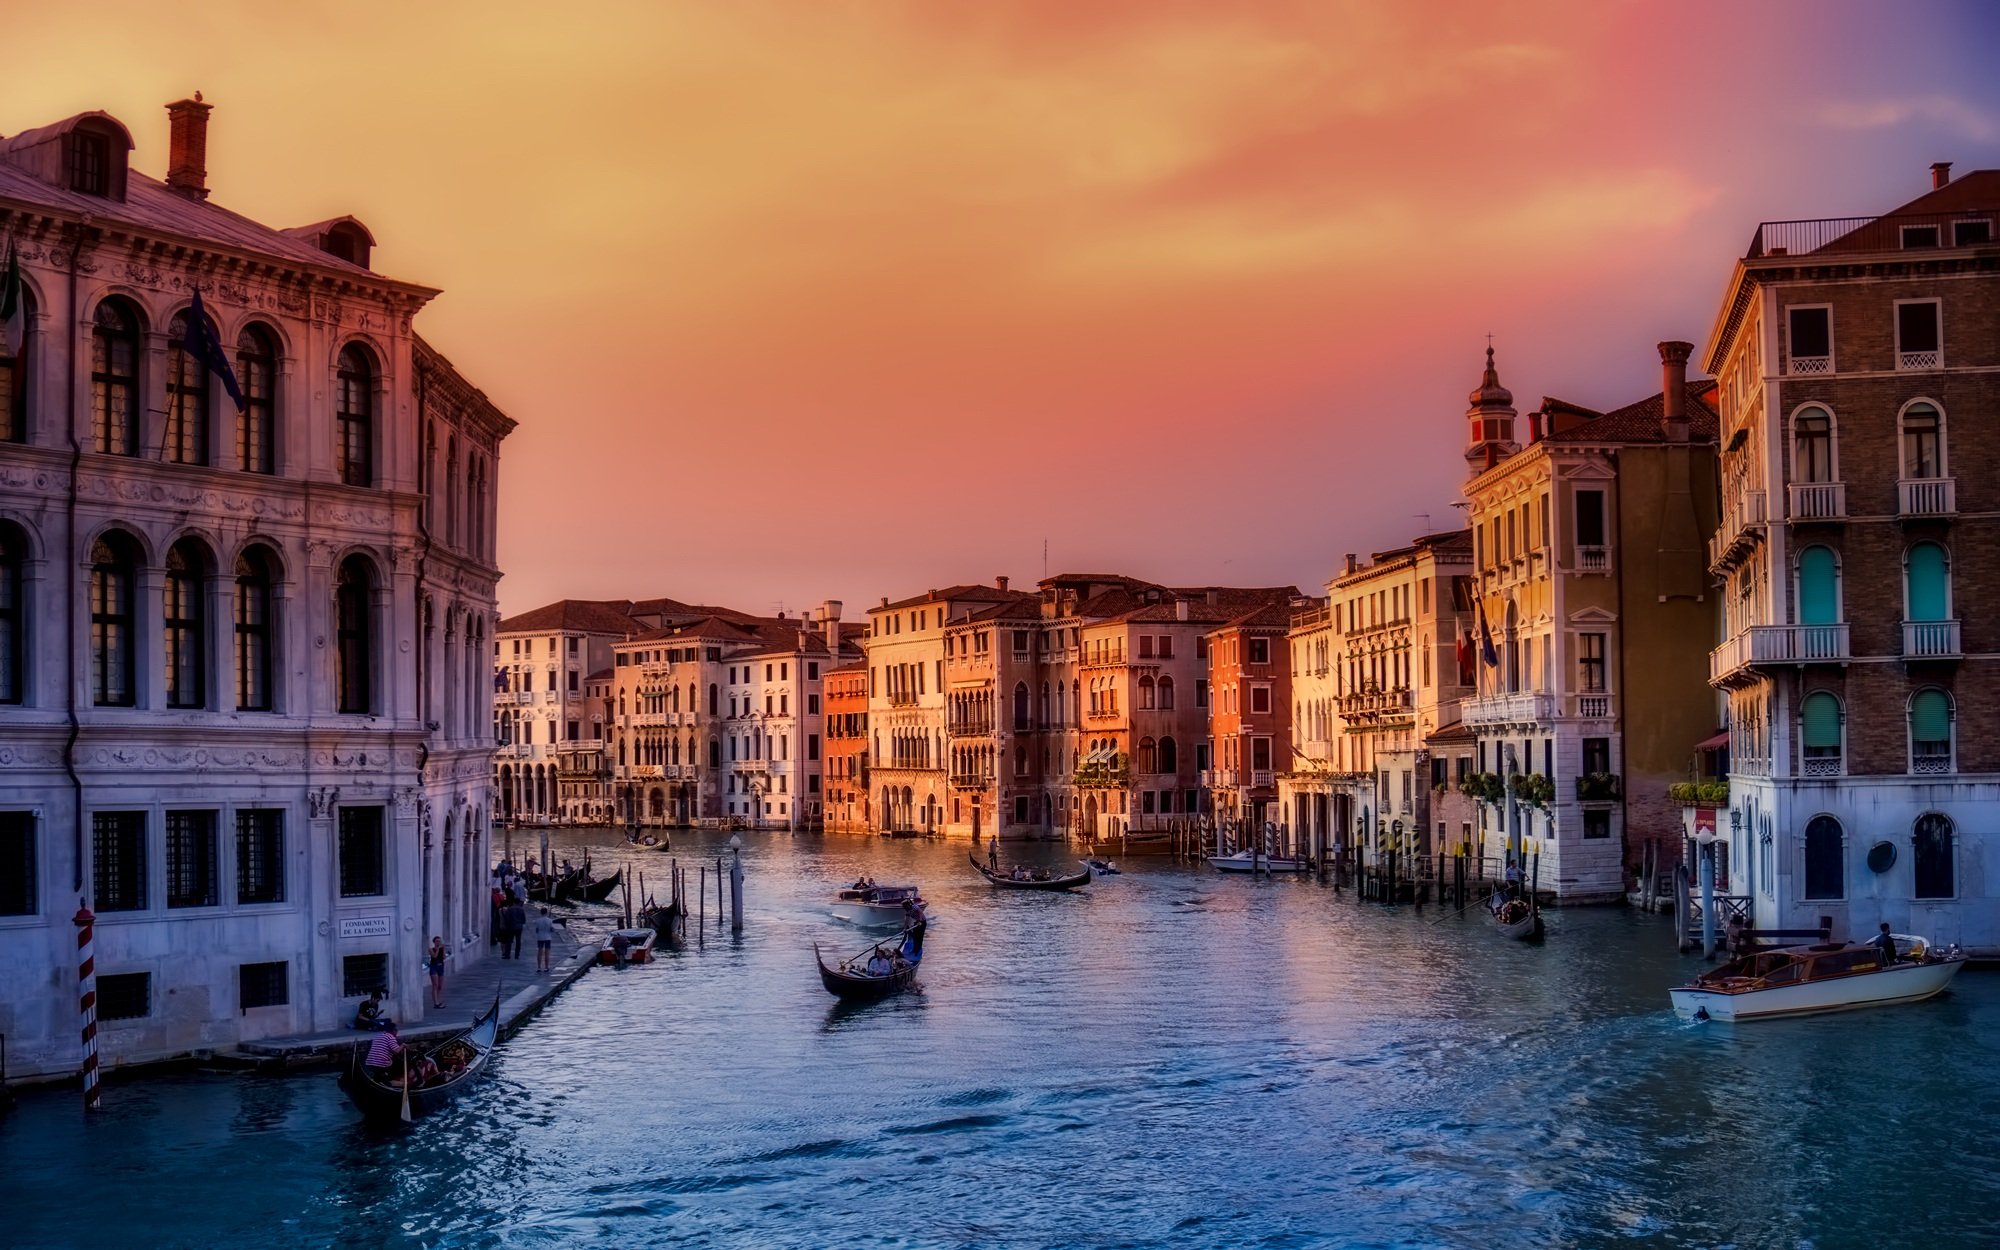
{"points": [[1640, 422], [593, 616]]}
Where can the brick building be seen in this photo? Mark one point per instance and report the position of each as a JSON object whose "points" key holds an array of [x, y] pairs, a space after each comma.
{"points": [[1249, 716], [846, 696]]}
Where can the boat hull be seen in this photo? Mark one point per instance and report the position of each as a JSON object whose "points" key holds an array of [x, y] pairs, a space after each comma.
{"points": [[382, 1103], [871, 915], [1242, 863], [853, 988], [1000, 882], [638, 951], [1904, 983]]}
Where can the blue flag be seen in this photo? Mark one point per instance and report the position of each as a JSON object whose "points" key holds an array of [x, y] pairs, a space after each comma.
{"points": [[201, 344], [1486, 651]]}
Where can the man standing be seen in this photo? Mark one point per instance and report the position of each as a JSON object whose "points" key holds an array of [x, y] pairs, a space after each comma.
{"points": [[1885, 945], [513, 919]]}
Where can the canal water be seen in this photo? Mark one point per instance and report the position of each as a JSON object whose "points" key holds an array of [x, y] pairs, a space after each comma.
{"points": [[1172, 1058]]}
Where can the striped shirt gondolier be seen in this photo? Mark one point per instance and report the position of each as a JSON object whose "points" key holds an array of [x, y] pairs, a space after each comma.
{"points": [[382, 1050]]}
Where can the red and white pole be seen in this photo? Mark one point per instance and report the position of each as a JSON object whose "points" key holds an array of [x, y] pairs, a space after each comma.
{"points": [[86, 981]]}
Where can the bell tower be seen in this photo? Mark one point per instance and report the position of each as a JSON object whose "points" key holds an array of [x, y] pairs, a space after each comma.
{"points": [[1491, 418]]}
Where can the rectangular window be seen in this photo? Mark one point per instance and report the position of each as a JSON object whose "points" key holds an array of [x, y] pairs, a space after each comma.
{"points": [[1597, 822], [812, 746], [1200, 648], [118, 860], [126, 996], [1971, 233], [1200, 692], [1811, 334], [1590, 662], [363, 855], [1597, 755], [262, 985], [1145, 646], [191, 860], [260, 856], [572, 646], [1920, 236], [17, 864], [572, 681], [362, 975], [1919, 335], [1590, 518], [1260, 650], [1260, 754], [1260, 698], [1201, 756], [570, 730]]}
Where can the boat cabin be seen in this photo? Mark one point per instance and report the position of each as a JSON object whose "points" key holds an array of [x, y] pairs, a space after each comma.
{"points": [[1824, 961]]}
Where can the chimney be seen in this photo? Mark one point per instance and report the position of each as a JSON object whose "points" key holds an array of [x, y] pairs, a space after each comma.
{"points": [[1351, 564], [1000, 583], [1940, 174], [1673, 390], [829, 617], [1534, 427], [187, 147], [1180, 609]]}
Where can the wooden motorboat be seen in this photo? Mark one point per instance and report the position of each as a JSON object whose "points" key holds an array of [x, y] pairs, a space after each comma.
{"points": [[461, 1058], [637, 946], [851, 979], [1827, 976], [1242, 861], [1046, 881], [875, 906], [1102, 867], [1516, 918], [598, 891]]}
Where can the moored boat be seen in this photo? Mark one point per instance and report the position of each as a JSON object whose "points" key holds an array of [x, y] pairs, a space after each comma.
{"points": [[460, 1059], [1027, 880], [598, 891], [636, 948], [1827, 976], [1515, 918], [875, 906], [852, 978], [1102, 867], [1242, 861]]}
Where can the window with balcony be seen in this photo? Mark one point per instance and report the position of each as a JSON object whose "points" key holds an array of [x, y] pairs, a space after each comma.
{"points": [[1590, 663], [1919, 334], [1923, 442], [1927, 602], [1820, 735], [1930, 732], [1810, 338], [1812, 445]]}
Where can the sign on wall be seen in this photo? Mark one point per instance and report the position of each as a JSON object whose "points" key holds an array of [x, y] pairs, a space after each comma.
{"points": [[364, 927]]}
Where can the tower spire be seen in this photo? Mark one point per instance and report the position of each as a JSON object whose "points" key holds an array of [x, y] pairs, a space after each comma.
{"points": [[1491, 418]]}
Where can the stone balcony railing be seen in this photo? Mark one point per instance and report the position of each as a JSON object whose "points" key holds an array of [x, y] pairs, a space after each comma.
{"points": [[1930, 640], [1817, 501], [1789, 645], [1742, 525], [1927, 497], [1526, 707]]}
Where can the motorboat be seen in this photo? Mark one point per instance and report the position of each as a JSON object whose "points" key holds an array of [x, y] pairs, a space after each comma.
{"points": [[636, 948], [875, 906], [1827, 976], [1243, 861]]}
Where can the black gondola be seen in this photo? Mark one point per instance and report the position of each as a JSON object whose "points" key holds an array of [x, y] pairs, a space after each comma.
{"points": [[851, 981], [1004, 882], [560, 890], [381, 1102], [669, 920], [598, 891]]}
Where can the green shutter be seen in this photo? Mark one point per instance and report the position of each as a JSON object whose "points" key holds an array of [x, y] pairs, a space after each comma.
{"points": [[1930, 717], [1819, 603], [1821, 715], [1927, 583]]}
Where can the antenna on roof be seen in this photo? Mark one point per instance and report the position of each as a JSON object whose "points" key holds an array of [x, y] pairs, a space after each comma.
{"points": [[1045, 559], [1425, 517]]}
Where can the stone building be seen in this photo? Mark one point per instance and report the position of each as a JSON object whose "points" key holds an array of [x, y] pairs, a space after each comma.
{"points": [[542, 660], [846, 704], [1592, 588], [245, 704], [1249, 716], [1857, 359], [1312, 788]]}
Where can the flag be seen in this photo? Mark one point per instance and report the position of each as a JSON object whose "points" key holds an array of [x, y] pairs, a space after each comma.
{"points": [[1464, 657], [1486, 651], [13, 305], [201, 344]]}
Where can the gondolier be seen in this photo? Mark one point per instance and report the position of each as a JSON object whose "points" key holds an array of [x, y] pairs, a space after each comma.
{"points": [[383, 1050]]}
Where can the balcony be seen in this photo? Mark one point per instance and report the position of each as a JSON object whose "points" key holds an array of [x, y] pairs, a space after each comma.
{"points": [[1261, 777], [970, 781], [1808, 365], [1930, 640], [1593, 559], [1927, 497], [1370, 703], [522, 696], [1593, 706], [1919, 361], [1777, 645], [1818, 501], [902, 698], [1743, 517], [1853, 235], [1527, 707]]}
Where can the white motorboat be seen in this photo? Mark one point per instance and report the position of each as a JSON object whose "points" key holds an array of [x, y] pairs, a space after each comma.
{"points": [[1807, 980], [636, 946], [1242, 861], [875, 906]]}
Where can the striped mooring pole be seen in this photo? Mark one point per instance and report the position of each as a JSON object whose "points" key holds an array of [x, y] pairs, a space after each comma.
{"points": [[86, 983]]}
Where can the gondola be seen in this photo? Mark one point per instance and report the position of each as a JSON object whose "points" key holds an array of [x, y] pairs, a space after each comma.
{"points": [[1517, 918], [1102, 867], [382, 1102], [598, 891], [669, 920], [850, 981], [1003, 882], [559, 890]]}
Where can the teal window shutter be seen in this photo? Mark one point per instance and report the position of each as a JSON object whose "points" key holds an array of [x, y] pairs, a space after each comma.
{"points": [[1930, 717], [1819, 600], [1821, 716], [1927, 583]]}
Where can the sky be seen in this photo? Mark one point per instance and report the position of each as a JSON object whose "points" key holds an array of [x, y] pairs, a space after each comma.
{"points": [[843, 300]]}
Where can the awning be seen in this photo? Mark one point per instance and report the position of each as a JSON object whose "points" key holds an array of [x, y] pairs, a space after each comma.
{"points": [[1102, 756], [1714, 742]]}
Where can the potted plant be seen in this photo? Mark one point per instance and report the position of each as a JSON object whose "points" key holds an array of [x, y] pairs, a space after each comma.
{"points": [[1534, 790], [1598, 787]]}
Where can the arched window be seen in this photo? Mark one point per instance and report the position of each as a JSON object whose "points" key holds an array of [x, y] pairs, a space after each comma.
{"points": [[1020, 706], [114, 565], [354, 653], [253, 630], [1812, 445], [14, 373], [114, 379], [714, 699], [1166, 694], [1930, 731], [1819, 734], [187, 397], [1045, 705], [1819, 587], [13, 612], [1146, 692], [257, 377], [1170, 756], [1927, 584], [1923, 442], [354, 419], [714, 753], [1149, 756], [183, 624], [1934, 869], [1826, 852], [451, 491]]}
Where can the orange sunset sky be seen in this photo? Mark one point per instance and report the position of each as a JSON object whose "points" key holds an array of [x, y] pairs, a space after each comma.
{"points": [[814, 300]]}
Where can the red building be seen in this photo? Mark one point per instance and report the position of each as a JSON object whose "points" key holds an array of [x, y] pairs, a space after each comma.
{"points": [[1250, 700], [846, 701]]}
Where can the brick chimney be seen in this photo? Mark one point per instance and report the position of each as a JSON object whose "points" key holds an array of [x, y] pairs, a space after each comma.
{"points": [[1673, 390], [1940, 174], [1180, 609], [187, 147], [1000, 583]]}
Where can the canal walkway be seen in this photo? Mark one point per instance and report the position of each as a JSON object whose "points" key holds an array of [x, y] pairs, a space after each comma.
{"points": [[522, 992]]}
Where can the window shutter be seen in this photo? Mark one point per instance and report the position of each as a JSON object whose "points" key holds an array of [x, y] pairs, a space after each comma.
{"points": [[1818, 602], [1821, 716], [1927, 582], [1930, 717]]}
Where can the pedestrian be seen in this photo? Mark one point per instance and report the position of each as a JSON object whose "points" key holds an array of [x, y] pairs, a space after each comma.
{"points": [[545, 936], [520, 890], [513, 919], [434, 960], [499, 900]]}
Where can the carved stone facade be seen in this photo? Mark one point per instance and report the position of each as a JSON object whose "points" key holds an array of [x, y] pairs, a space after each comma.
{"points": [[246, 708]]}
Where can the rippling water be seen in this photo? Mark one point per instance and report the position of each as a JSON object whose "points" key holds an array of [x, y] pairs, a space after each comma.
{"points": [[1173, 1059]]}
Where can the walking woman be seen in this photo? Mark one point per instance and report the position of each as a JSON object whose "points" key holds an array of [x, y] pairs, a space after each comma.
{"points": [[435, 960]]}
